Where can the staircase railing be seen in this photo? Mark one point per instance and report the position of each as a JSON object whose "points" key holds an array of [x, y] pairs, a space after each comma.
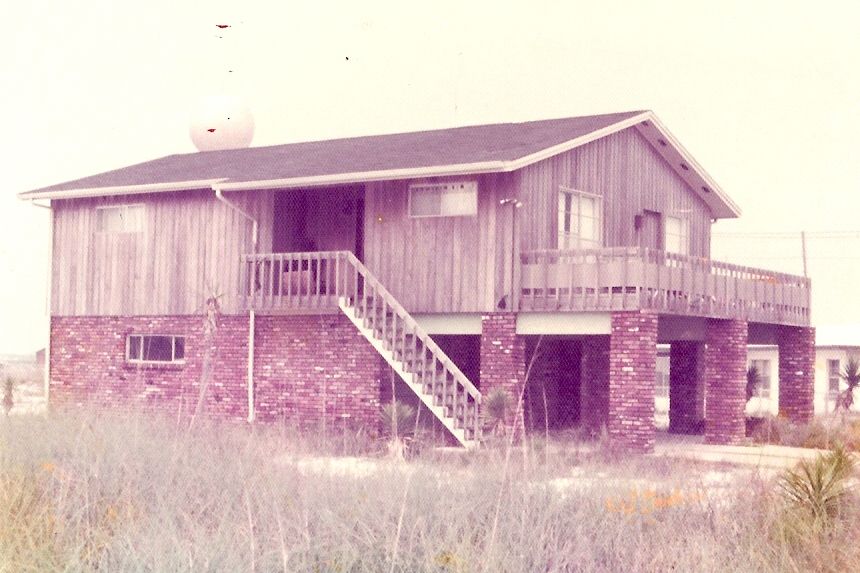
{"points": [[284, 280]]}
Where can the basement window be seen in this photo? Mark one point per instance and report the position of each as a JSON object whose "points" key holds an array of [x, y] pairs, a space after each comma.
{"points": [[156, 349], [453, 199], [119, 219]]}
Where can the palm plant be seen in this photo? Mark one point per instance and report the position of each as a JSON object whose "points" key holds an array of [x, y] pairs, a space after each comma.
{"points": [[753, 381], [851, 374]]}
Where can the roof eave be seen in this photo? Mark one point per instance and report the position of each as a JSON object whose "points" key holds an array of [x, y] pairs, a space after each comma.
{"points": [[119, 190]]}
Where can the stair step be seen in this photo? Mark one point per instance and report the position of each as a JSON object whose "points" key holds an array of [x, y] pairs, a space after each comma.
{"points": [[417, 364]]}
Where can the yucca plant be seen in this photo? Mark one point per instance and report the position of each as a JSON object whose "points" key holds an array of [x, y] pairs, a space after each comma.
{"points": [[494, 410], [816, 490], [753, 381], [398, 419], [851, 374]]}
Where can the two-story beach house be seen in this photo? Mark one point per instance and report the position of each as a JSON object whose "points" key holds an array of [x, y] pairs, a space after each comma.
{"points": [[448, 260]]}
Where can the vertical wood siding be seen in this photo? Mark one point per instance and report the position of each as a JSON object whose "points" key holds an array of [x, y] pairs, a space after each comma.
{"points": [[628, 174], [435, 264], [189, 248]]}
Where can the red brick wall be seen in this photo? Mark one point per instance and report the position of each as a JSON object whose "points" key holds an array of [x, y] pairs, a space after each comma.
{"points": [[686, 401], [725, 379], [88, 364], [503, 360], [315, 370], [308, 370], [594, 397], [796, 372], [632, 371]]}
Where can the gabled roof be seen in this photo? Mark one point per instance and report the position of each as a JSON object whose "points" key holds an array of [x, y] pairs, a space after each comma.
{"points": [[493, 148]]}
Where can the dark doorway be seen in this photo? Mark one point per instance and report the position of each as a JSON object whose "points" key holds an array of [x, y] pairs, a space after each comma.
{"points": [[651, 230], [324, 219]]}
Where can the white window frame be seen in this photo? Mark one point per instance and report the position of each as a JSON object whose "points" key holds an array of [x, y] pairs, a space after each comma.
{"points": [[764, 388], [566, 238], [141, 360], [684, 236], [469, 186], [123, 208]]}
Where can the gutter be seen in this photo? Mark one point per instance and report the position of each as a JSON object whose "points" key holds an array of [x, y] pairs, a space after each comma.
{"points": [[254, 224], [251, 315]]}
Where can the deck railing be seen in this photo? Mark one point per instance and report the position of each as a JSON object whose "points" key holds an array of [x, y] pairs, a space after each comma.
{"points": [[635, 278], [295, 280]]}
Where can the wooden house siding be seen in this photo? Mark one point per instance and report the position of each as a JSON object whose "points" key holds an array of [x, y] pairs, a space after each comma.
{"points": [[436, 264], [629, 175], [189, 248]]}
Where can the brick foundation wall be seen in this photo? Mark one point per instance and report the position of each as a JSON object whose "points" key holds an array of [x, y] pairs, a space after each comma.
{"points": [[796, 372], [594, 384], [313, 370], [725, 381], [632, 371], [88, 365], [686, 400], [308, 370], [503, 361]]}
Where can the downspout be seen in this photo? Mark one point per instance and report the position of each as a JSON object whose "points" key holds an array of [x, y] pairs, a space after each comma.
{"points": [[48, 309], [251, 315]]}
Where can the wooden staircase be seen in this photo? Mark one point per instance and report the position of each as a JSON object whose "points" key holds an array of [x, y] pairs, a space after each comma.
{"points": [[284, 281], [414, 356]]}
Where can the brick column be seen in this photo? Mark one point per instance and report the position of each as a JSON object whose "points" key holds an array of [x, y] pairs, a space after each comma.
{"points": [[725, 378], [632, 371], [796, 372], [594, 384], [503, 361], [686, 400]]}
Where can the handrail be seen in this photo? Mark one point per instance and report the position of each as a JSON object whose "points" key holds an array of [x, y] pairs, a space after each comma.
{"points": [[283, 281], [419, 332]]}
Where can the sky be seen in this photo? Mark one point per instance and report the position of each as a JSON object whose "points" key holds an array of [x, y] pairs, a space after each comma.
{"points": [[765, 95]]}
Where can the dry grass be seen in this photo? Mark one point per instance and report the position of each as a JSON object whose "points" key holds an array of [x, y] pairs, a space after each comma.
{"points": [[135, 493]]}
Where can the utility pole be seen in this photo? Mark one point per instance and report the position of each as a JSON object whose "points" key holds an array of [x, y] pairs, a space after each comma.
{"points": [[803, 246]]}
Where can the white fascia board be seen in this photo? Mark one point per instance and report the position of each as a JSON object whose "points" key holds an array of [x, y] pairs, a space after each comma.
{"points": [[574, 143], [120, 190], [732, 207]]}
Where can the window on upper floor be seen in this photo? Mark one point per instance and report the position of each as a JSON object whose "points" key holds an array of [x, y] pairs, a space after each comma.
{"points": [[762, 366], [158, 349], [580, 220], [119, 219], [677, 235], [833, 375], [452, 199]]}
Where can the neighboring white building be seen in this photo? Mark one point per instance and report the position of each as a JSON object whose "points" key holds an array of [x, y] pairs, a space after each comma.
{"points": [[834, 345]]}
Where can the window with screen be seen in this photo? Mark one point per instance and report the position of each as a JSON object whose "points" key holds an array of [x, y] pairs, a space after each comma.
{"points": [[158, 349], [454, 199], [580, 224], [833, 376], [677, 235]]}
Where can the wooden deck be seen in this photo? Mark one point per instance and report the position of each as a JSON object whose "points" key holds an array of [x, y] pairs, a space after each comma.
{"points": [[558, 281], [634, 278]]}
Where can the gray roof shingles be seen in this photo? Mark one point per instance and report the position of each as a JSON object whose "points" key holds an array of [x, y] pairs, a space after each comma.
{"points": [[474, 144]]}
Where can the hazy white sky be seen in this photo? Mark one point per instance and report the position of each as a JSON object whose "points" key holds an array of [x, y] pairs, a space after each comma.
{"points": [[766, 95]]}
